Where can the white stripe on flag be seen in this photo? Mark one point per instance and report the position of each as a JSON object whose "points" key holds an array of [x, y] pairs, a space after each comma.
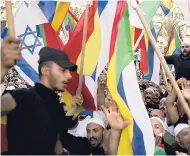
{"points": [[137, 107]]}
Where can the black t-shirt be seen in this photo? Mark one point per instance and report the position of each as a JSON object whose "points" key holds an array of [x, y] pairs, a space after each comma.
{"points": [[182, 66], [33, 126]]}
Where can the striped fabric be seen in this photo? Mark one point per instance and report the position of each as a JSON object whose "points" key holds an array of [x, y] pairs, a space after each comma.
{"points": [[166, 6], [137, 138], [55, 12]]}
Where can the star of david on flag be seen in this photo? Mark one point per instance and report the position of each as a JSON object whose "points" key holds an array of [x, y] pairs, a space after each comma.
{"points": [[26, 38]]}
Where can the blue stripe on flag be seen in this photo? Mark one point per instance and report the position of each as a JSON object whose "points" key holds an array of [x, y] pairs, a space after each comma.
{"points": [[101, 6], [48, 8], [151, 56], [28, 70], [165, 9], [4, 33], [138, 140]]}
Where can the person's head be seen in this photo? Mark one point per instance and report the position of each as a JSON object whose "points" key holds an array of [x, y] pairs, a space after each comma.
{"points": [[149, 95], [158, 126], [95, 129], [185, 49], [162, 105], [157, 113], [54, 68], [182, 134], [156, 96]]}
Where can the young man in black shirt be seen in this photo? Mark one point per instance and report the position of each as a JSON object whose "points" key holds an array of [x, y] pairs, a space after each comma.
{"points": [[35, 116]]}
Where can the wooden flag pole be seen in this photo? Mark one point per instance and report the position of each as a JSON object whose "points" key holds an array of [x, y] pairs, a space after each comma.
{"points": [[163, 62], [9, 15], [79, 90], [162, 68]]}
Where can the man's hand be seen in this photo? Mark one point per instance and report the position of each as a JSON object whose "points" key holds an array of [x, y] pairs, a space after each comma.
{"points": [[10, 52], [77, 101], [114, 118], [102, 80], [186, 91], [181, 82]]}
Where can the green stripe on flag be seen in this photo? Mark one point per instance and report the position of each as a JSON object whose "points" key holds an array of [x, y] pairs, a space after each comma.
{"points": [[124, 45], [177, 39], [43, 34]]}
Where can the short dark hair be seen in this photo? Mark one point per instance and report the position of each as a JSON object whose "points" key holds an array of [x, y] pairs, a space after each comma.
{"points": [[48, 63]]}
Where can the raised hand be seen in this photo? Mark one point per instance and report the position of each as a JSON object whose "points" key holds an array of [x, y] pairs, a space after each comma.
{"points": [[181, 82], [186, 90], [77, 101], [10, 52], [102, 80], [114, 118]]}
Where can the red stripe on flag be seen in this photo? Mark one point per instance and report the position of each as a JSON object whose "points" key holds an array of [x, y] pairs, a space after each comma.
{"points": [[171, 37], [74, 45], [120, 10]]}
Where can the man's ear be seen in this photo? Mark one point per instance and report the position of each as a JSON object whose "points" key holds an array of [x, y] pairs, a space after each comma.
{"points": [[178, 142], [45, 70]]}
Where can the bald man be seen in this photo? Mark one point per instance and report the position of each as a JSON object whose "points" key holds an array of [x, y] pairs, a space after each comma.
{"points": [[181, 62]]}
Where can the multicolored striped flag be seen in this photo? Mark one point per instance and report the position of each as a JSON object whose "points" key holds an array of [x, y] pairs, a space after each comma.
{"points": [[174, 43], [55, 12], [166, 6], [137, 138]]}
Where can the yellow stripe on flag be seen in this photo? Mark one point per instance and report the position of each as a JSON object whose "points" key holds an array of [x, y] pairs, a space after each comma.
{"points": [[92, 49], [125, 144], [68, 101], [132, 29], [172, 48], [60, 14]]}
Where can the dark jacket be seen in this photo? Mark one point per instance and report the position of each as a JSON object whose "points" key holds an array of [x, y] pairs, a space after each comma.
{"points": [[182, 66], [33, 126]]}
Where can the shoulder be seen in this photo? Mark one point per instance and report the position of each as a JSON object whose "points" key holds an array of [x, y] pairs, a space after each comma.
{"points": [[21, 95]]}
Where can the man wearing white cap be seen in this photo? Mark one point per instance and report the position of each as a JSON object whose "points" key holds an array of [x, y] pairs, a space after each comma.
{"points": [[149, 96], [95, 129], [159, 131], [182, 134], [181, 62]]}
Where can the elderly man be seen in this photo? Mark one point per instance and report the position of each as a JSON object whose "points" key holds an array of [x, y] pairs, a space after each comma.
{"points": [[181, 62], [159, 132], [182, 134]]}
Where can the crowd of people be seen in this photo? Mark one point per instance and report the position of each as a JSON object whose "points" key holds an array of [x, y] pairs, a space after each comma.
{"points": [[38, 122]]}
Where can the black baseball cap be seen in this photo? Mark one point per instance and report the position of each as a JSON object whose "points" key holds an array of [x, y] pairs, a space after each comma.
{"points": [[57, 56]]}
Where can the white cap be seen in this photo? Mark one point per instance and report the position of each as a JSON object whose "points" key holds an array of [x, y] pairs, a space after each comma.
{"points": [[101, 115], [179, 128], [97, 121], [158, 119], [149, 89]]}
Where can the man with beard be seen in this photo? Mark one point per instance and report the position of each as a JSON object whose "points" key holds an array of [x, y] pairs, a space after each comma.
{"points": [[181, 62], [182, 134], [149, 96], [159, 132]]}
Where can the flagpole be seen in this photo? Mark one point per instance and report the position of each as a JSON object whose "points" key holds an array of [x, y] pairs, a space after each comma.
{"points": [[162, 68], [138, 40], [163, 61], [79, 90], [9, 15]]}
